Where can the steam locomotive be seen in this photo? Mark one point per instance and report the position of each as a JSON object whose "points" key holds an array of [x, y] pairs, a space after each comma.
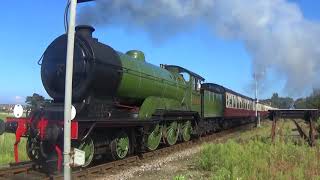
{"points": [[124, 105]]}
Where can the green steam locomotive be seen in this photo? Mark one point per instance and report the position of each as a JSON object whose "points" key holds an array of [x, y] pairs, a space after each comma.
{"points": [[124, 105]]}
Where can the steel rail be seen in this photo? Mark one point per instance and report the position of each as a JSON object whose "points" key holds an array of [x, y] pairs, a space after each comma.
{"points": [[16, 168]]}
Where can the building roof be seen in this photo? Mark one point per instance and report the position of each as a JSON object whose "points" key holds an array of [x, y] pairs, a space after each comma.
{"points": [[181, 70]]}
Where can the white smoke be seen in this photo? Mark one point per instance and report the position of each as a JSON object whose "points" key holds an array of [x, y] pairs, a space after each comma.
{"points": [[274, 32]]}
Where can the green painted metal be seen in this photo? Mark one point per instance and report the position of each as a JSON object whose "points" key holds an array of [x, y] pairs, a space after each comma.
{"points": [[141, 80], [152, 103], [196, 101], [139, 55], [213, 104], [122, 146], [154, 138], [172, 133], [88, 147], [151, 87], [186, 130]]}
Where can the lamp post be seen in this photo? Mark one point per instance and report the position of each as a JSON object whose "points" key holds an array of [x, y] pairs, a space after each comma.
{"points": [[256, 98], [68, 88]]}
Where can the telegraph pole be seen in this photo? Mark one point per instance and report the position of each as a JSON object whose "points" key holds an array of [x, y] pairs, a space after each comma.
{"points": [[68, 90]]}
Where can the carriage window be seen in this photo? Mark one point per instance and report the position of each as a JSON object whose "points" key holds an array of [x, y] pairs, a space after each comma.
{"points": [[235, 102], [227, 100], [238, 103], [231, 97]]}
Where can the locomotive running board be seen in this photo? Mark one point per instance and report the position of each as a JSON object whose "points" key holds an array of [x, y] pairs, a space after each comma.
{"points": [[117, 123], [158, 117]]}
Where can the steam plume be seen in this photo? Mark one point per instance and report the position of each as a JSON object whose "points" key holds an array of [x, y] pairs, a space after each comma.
{"points": [[274, 32]]}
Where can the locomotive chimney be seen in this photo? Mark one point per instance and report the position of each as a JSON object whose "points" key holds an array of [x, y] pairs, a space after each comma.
{"points": [[85, 30]]}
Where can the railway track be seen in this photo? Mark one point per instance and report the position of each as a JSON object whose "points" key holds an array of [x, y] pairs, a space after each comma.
{"points": [[27, 170], [16, 168]]}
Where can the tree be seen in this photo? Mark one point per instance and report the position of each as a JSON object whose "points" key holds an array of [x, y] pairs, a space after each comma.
{"points": [[300, 103], [35, 101], [281, 102], [313, 101]]}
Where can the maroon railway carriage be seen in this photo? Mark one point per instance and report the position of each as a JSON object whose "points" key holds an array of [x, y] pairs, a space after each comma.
{"points": [[236, 105]]}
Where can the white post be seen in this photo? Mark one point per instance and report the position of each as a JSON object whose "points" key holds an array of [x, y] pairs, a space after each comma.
{"points": [[256, 97], [68, 90]]}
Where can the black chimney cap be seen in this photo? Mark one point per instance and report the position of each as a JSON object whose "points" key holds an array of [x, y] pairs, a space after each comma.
{"points": [[88, 27]]}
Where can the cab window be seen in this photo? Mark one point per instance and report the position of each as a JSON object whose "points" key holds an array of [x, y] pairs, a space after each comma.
{"points": [[185, 76], [196, 85]]}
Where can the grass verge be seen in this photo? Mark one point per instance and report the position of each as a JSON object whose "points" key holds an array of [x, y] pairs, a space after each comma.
{"points": [[6, 147], [258, 158]]}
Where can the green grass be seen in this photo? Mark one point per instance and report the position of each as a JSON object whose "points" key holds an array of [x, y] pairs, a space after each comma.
{"points": [[6, 146], [179, 177], [258, 158]]}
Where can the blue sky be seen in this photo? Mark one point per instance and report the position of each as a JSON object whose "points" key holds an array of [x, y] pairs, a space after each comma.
{"points": [[28, 27]]}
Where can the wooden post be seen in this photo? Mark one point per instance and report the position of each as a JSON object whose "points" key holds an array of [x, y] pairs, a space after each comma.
{"points": [[274, 124], [312, 138]]}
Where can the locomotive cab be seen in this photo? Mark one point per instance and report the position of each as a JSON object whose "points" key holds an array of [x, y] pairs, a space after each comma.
{"points": [[192, 97]]}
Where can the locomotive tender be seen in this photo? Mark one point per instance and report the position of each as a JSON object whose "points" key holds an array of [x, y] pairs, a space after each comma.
{"points": [[124, 104]]}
